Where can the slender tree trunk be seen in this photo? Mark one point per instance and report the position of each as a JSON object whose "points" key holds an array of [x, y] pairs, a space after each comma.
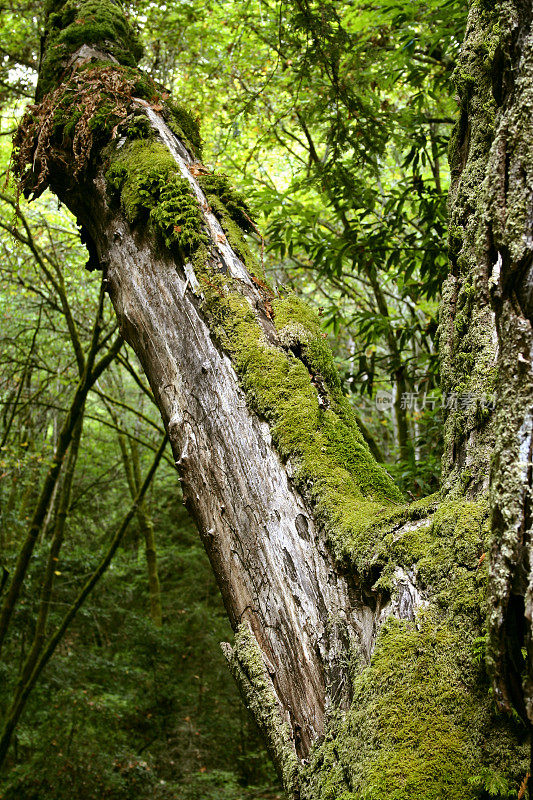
{"points": [[148, 534], [30, 677], [405, 446], [359, 621], [39, 636], [132, 468]]}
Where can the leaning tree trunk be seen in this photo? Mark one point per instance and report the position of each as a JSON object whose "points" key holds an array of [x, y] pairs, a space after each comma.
{"points": [[360, 636]]}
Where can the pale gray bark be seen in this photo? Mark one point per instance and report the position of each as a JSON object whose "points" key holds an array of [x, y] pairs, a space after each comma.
{"points": [[270, 559]]}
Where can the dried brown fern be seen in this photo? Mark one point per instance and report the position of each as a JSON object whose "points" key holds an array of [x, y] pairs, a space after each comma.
{"points": [[101, 94], [523, 787]]}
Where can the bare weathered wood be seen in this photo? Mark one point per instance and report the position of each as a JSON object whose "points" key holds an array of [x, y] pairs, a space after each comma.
{"points": [[269, 558]]}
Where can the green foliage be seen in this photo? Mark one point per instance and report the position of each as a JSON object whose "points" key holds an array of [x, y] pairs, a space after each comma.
{"points": [[493, 784], [128, 709]]}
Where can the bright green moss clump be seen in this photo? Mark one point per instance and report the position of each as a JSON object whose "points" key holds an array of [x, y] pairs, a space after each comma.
{"points": [[422, 725], [186, 127], [234, 216], [311, 422], [76, 22], [145, 177], [220, 187]]}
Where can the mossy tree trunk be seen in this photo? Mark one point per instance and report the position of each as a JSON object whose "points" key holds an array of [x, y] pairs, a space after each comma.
{"points": [[487, 334], [360, 621]]}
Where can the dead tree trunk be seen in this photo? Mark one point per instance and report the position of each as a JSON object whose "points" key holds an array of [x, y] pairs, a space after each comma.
{"points": [[359, 621]]}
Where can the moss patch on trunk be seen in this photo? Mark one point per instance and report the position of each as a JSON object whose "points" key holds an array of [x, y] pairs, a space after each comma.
{"points": [[423, 723], [144, 176], [71, 24]]}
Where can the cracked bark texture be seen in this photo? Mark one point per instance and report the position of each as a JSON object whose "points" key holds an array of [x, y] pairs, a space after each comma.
{"points": [[275, 573], [509, 193], [319, 619], [491, 285]]}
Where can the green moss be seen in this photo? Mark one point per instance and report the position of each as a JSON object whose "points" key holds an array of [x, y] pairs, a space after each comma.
{"points": [[93, 22], [299, 327], [234, 216], [422, 723], [312, 425], [246, 663], [219, 186], [139, 128], [235, 236], [144, 176], [184, 125]]}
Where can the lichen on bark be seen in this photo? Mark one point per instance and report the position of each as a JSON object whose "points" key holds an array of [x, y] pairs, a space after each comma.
{"points": [[467, 333], [508, 226]]}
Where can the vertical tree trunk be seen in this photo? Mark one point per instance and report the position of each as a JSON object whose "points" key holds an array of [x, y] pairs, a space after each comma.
{"points": [[491, 309], [147, 531], [359, 621]]}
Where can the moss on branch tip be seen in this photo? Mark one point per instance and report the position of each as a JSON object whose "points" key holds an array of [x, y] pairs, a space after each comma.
{"points": [[77, 115], [95, 103], [101, 24]]}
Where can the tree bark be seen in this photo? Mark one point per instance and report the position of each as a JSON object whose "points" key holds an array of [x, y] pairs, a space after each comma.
{"points": [[490, 286], [359, 621]]}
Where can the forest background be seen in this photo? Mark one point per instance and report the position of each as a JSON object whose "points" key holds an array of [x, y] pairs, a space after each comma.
{"points": [[332, 119]]}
